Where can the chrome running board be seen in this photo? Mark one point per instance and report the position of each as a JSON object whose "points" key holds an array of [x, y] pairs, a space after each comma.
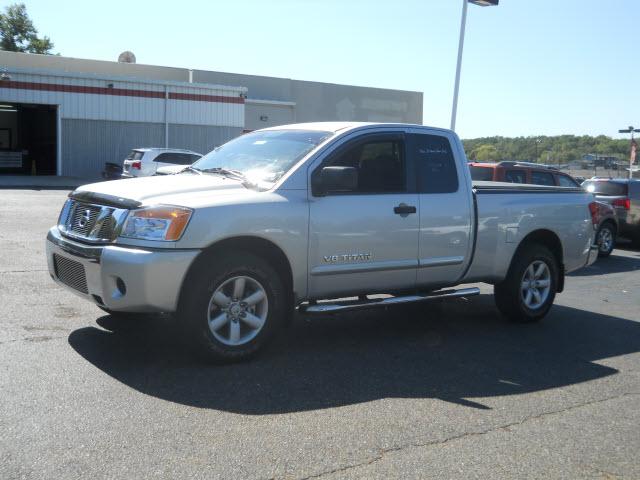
{"points": [[319, 308]]}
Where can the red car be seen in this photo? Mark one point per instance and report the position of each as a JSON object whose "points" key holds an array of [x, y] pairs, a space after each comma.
{"points": [[521, 172], [533, 173]]}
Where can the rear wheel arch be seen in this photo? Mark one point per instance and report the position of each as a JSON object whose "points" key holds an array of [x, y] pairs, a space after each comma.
{"points": [[552, 242], [612, 224]]}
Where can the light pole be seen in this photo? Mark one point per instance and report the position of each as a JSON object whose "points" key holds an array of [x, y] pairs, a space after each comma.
{"points": [[463, 23], [630, 130]]}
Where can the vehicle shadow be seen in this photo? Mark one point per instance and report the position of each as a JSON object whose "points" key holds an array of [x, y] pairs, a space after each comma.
{"points": [[611, 264], [627, 246], [459, 350]]}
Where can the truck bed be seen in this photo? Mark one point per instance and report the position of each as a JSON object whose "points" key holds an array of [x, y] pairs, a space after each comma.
{"points": [[505, 217]]}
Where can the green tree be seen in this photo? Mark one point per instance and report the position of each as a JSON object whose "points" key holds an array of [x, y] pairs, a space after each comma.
{"points": [[558, 149], [485, 153], [17, 33]]}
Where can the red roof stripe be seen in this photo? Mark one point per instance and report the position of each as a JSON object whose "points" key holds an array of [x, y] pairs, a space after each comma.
{"points": [[120, 92]]}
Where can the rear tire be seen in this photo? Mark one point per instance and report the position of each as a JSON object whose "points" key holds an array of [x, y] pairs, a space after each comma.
{"points": [[606, 239], [528, 291], [232, 305]]}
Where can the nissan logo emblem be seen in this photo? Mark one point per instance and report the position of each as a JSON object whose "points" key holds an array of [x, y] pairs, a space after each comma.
{"points": [[84, 218]]}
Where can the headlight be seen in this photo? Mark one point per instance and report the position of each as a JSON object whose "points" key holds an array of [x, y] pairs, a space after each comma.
{"points": [[64, 215], [157, 223]]}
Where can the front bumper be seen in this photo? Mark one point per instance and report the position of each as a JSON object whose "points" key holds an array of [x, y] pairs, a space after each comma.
{"points": [[127, 279]]}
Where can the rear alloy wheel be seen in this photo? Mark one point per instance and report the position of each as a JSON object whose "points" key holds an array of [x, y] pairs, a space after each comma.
{"points": [[536, 285], [528, 291], [605, 239]]}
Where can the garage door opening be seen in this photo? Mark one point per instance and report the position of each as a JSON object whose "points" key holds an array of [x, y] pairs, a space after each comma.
{"points": [[28, 139]]}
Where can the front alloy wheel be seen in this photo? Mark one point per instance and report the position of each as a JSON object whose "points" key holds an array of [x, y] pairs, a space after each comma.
{"points": [[238, 310], [232, 304]]}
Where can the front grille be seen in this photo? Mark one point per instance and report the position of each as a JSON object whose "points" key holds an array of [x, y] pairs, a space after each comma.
{"points": [[70, 273], [90, 222], [83, 218]]}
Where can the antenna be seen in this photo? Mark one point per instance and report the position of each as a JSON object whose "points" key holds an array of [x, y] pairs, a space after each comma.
{"points": [[127, 57]]}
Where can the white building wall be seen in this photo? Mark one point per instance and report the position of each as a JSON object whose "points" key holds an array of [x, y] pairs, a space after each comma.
{"points": [[102, 118], [117, 100]]}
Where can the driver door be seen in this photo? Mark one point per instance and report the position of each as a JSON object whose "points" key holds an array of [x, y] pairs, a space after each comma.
{"points": [[365, 240]]}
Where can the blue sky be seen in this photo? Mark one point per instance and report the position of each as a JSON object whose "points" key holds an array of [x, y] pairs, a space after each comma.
{"points": [[531, 67]]}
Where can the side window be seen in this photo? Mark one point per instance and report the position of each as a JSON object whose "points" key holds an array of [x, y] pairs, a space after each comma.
{"points": [[184, 159], [515, 176], [165, 158], [481, 173], [380, 164], [435, 164], [566, 181], [176, 158], [542, 178]]}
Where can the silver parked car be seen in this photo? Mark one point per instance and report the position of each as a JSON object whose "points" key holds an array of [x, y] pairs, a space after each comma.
{"points": [[144, 162]]}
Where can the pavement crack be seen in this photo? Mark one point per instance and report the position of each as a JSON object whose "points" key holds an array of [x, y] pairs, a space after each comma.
{"points": [[505, 427]]}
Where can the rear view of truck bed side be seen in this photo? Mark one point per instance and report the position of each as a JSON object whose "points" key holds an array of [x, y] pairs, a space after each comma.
{"points": [[526, 239], [508, 215]]}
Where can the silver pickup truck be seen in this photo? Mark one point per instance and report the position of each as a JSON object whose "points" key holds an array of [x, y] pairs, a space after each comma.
{"points": [[319, 217]]}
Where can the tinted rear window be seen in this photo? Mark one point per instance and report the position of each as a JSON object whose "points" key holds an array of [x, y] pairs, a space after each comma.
{"points": [[481, 173], [135, 155], [515, 176], [606, 188], [566, 181], [436, 166], [176, 158], [542, 178]]}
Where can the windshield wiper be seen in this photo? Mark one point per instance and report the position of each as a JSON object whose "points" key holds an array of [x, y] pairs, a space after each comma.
{"points": [[231, 173], [227, 172], [191, 169]]}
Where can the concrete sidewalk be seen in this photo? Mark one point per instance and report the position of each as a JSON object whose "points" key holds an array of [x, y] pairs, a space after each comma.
{"points": [[41, 182]]}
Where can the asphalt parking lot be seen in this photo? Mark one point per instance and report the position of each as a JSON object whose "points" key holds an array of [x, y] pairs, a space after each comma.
{"points": [[445, 391]]}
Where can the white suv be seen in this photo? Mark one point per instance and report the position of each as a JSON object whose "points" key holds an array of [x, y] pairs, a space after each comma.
{"points": [[143, 162]]}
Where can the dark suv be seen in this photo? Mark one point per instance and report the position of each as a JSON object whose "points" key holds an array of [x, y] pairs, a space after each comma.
{"points": [[624, 196]]}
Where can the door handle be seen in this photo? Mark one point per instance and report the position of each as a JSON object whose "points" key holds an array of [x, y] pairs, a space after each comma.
{"points": [[404, 209]]}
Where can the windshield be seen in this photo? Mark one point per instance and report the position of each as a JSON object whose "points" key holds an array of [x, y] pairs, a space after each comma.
{"points": [[605, 188], [262, 156]]}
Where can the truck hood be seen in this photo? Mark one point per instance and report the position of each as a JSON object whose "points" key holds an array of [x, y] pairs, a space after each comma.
{"points": [[174, 189]]}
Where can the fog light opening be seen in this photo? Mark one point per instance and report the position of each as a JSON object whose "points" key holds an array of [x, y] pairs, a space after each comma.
{"points": [[120, 285]]}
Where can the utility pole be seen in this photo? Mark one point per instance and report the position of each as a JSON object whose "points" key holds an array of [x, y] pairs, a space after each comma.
{"points": [[463, 24], [630, 130]]}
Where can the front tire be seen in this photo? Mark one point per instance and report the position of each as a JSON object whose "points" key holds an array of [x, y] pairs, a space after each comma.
{"points": [[528, 291], [232, 305]]}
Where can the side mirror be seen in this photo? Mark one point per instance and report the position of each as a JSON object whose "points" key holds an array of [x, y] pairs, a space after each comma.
{"points": [[337, 179]]}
